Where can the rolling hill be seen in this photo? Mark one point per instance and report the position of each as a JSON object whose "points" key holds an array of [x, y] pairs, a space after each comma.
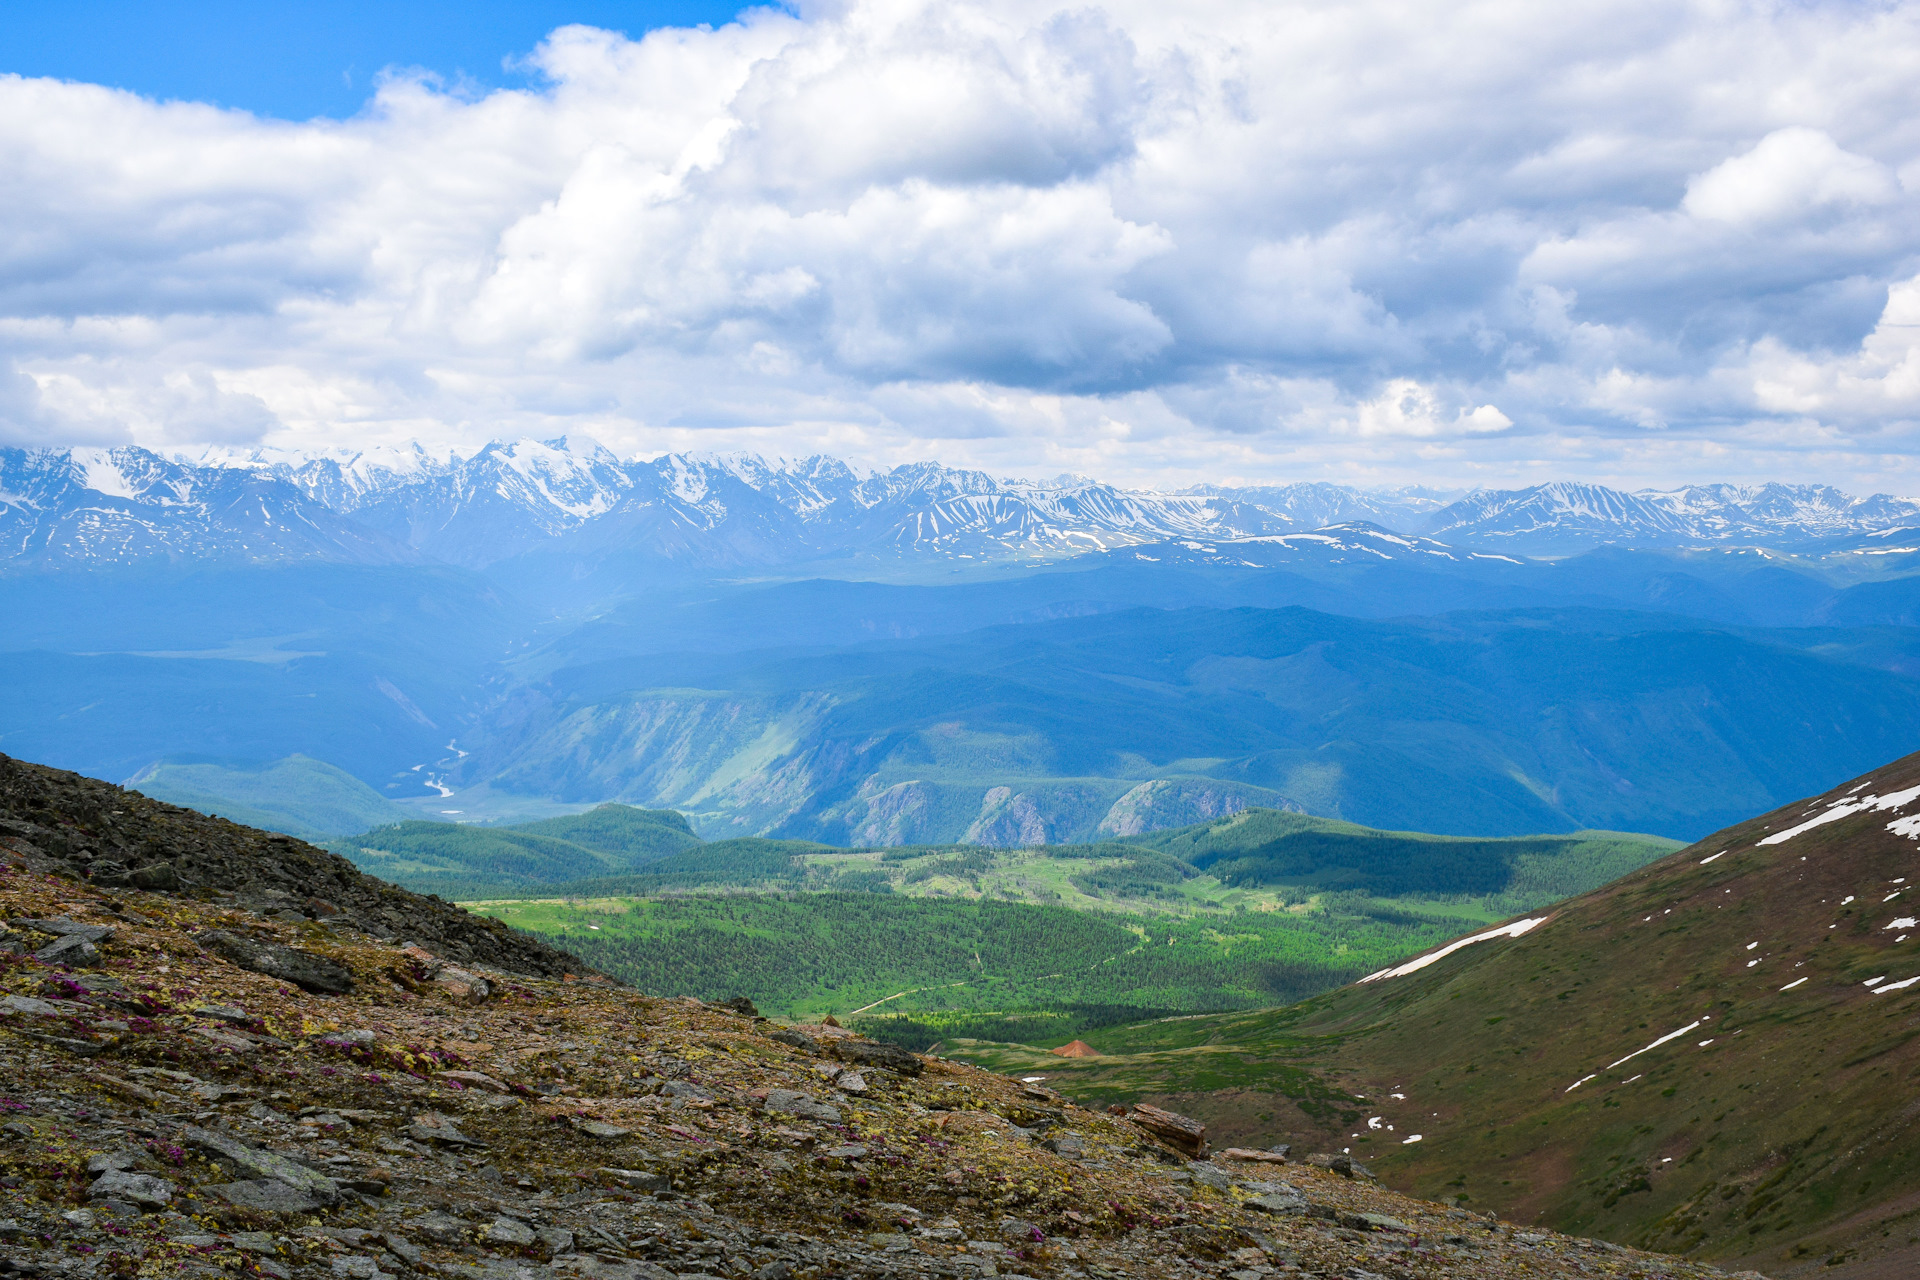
{"points": [[1715, 1054]]}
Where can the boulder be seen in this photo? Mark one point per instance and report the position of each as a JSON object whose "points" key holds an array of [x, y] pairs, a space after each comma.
{"points": [[867, 1053], [260, 1164], [510, 1232], [1278, 1203], [794, 1103], [639, 1180], [464, 986], [441, 1228], [1183, 1133], [142, 1189], [267, 1195], [304, 969], [73, 951]]}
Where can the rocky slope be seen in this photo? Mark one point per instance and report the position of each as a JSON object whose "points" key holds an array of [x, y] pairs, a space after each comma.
{"points": [[53, 821], [171, 1109], [1714, 1055]]}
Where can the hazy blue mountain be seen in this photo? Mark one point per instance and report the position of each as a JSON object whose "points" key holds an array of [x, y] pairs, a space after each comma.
{"points": [[1490, 724], [931, 654], [297, 795]]}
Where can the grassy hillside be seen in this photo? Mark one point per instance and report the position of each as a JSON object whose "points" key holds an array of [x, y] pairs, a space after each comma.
{"points": [[297, 795], [1262, 847], [1258, 860], [441, 857], [812, 954], [960, 941], [1695, 1056]]}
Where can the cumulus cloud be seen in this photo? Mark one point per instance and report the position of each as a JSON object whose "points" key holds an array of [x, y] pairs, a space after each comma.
{"points": [[1376, 241]]}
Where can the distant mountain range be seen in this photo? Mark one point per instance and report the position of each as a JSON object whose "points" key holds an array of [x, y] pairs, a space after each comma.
{"points": [[574, 500]]}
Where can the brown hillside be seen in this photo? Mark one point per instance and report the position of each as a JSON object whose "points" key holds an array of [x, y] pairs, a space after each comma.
{"points": [[1717, 1055]]}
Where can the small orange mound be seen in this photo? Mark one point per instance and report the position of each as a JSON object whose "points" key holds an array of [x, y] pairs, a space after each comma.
{"points": [[1076, 1049]]}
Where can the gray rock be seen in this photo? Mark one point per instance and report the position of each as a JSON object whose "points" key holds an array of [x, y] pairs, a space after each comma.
{"points": [[795, 1039], [556, 1239], [849, 1152], [302, 968], [774, 1271], [639, 1180], [32, 1007], [441, 1130], [266, 1195], [161, 877], [260, 1164], [1209, 1175], [407, 1251], [891, 1056], [1277, 1204], [1375, 1222], [685, 1089], [508, 1231], [794, 1103], [600, 1129], [850, 1082], [142, 1189], [224, 1013], [441, 1228], [65, 928], [71, 951], [113, 1160], [255, 1242]]}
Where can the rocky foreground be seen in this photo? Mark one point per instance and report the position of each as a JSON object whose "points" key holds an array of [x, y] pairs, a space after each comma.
{"points": [[197, 1082]]}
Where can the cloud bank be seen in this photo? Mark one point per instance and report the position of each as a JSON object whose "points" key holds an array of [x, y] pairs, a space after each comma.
{"points": [[1456, 243]]}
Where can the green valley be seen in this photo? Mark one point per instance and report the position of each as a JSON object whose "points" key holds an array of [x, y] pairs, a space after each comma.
{"points": [[924, 944]]}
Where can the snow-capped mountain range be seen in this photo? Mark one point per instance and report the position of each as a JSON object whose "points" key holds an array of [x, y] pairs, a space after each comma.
{"points": [[128, 505]]}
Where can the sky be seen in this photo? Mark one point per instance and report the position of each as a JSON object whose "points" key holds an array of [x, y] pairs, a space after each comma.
{"points": [[1376, 242]]}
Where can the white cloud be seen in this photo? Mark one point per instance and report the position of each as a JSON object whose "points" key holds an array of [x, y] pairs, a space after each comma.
{"points": [[1652, 241]]}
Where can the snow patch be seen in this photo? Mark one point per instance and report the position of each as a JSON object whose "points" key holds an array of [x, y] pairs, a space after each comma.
{"points": [[1671, 1035], [1839, 809], [1513, 930]]}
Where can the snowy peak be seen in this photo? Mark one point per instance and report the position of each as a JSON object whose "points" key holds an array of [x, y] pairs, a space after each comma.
{"points": [[573, 496], [1565, 517], [98, 508]]}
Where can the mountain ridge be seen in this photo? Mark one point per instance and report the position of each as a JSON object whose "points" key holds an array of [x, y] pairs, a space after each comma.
{"points": [[714, 512]]}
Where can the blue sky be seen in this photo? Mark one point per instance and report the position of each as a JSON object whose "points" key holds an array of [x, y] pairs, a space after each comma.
{"points": [[300, 60], [1451, 242]]}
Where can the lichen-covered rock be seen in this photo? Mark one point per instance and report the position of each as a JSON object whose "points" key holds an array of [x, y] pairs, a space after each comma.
{"points": [[867, 1053], [142, 1189], [304, 969]]}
